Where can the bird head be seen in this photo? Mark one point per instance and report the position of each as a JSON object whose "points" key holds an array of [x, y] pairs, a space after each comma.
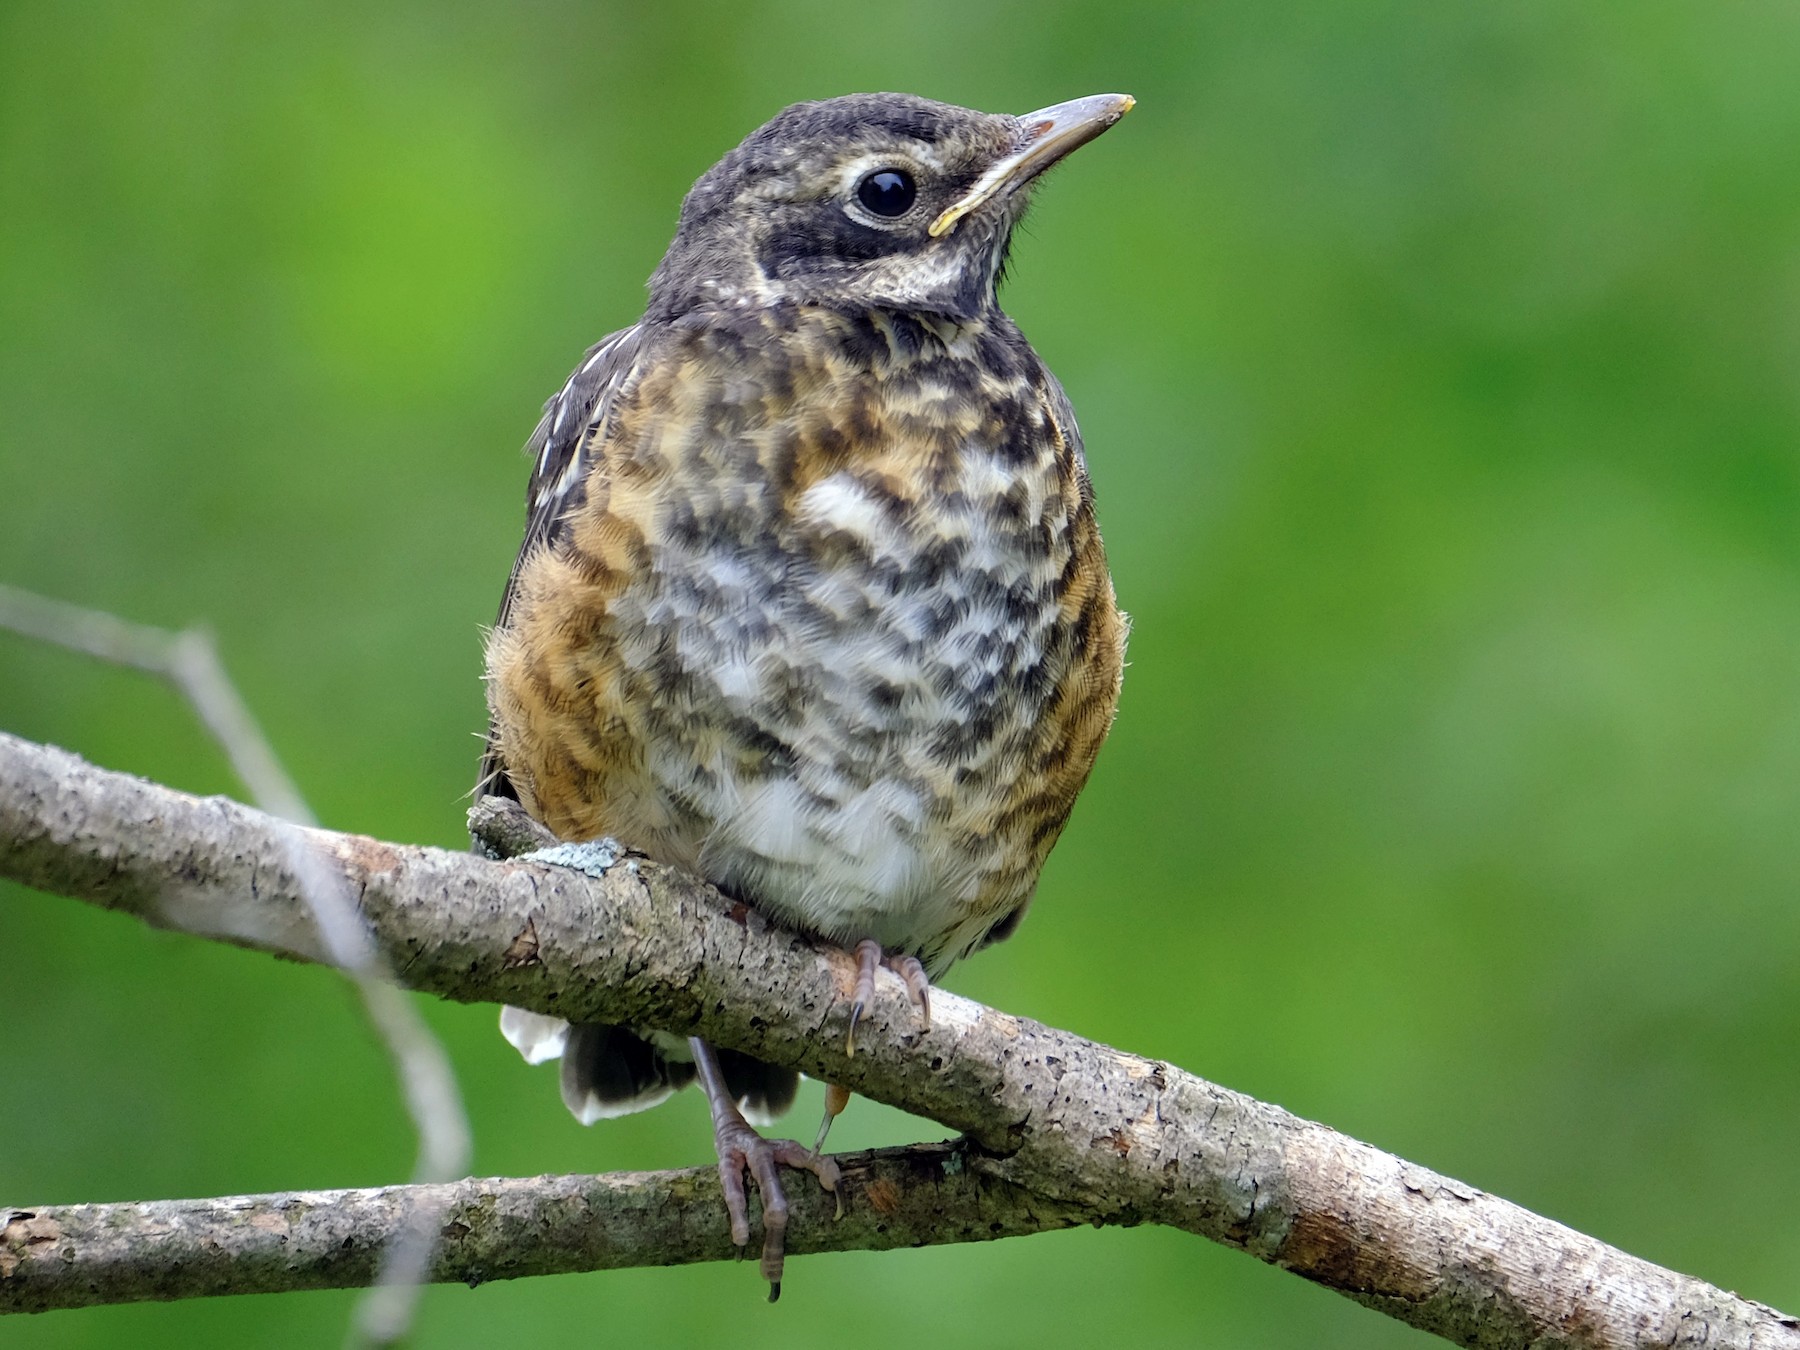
{"points": [[868, 200]]}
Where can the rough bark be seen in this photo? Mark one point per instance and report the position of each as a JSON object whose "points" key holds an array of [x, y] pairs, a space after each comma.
{"points": [[1084, 1128], [495, 1228]]}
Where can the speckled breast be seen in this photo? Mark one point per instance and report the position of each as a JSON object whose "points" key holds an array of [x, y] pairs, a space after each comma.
{"points": [[832, 627]]}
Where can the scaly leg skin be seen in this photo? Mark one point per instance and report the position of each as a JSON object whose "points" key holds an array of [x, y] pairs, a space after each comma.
{"points": [[741, 1149]]}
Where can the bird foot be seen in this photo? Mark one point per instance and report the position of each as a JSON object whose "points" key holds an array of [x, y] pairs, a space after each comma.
{"points": [[869, 959], [742, 1150]]}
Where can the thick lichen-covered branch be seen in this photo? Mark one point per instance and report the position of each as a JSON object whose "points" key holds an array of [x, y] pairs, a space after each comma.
{"points": [[1085, 1129]]}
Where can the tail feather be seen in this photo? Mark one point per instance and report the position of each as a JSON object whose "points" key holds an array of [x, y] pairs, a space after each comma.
{"points": [[613, 1071]]}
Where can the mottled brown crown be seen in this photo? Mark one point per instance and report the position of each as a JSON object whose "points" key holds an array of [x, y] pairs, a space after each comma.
{"points": [[778, 218]]}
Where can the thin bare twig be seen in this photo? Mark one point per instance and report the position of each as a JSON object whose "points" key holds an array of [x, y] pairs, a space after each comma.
{"points": [[189, 660]]}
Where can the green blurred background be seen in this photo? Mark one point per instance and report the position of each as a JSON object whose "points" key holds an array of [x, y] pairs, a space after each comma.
{"points": [[1440, 370]]}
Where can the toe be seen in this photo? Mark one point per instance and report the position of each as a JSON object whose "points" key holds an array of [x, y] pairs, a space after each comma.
{"points": [[737, 1208], [763, 1163], [918, 984], [868, 961]]}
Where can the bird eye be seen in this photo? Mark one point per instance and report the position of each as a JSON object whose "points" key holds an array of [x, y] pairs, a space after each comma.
{"points": [[887, 192]]}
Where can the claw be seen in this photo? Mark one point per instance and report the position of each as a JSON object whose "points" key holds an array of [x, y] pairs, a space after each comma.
{"points": [[836, 1099], [918, 984]]}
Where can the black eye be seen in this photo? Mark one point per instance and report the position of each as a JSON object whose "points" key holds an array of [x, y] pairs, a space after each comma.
{"points": [[887, 192]]}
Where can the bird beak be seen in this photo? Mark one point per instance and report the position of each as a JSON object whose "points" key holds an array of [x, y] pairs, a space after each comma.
{"points": [[1049, 134]]}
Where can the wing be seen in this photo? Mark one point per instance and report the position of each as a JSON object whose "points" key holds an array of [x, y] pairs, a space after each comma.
{"points": [[563, 448]]}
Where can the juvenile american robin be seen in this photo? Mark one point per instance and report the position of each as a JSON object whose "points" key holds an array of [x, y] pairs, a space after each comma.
{"points": [[812, 601]]}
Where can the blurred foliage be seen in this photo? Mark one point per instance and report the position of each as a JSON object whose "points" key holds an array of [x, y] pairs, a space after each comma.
{"points": [[1440, 370]]}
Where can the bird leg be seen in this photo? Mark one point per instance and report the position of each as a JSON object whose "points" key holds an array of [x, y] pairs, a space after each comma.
{"points": [[741, 1149]]}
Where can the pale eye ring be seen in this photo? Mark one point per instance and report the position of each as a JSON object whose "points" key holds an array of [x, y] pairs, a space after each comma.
{"points": [[889, 193]]}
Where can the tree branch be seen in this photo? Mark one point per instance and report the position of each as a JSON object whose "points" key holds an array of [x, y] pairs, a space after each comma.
{"points": [[1084, 1129], [497, 1228]]}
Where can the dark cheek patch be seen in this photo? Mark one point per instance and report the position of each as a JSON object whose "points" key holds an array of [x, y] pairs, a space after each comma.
{"points": [[827, 235]]}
